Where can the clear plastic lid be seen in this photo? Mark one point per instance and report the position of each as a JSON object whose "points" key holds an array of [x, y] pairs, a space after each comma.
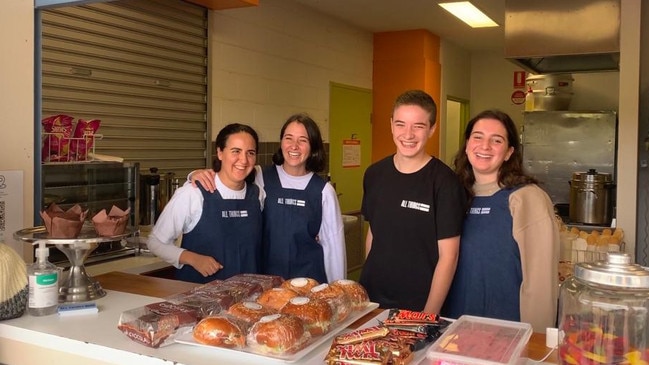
{"points": [[480, 341]]}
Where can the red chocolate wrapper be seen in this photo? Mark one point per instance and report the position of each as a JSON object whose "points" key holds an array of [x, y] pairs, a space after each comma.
{"points": [[407, 316]]}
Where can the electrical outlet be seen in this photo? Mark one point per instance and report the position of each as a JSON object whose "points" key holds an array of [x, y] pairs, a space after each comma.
{"points": [[643, 163]]}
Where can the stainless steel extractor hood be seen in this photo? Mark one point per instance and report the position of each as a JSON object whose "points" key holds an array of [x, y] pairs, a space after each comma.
{"points": [[555, 36]]}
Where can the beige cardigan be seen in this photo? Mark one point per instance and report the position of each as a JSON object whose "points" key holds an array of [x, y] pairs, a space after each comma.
{"points": [[536, 231]]}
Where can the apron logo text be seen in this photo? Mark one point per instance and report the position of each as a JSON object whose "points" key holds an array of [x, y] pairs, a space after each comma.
{"points": [[234, 213], [291, 201], [478, 211]]}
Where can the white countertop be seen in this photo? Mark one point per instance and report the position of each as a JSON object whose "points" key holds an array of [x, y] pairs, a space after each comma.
{"points": [[132, 265], [96, 337]]}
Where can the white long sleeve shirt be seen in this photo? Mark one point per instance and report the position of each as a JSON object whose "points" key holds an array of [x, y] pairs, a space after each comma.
{"points": [[180, 216]]}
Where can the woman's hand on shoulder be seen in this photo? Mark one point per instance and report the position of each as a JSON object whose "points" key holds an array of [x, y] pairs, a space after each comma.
{"points": [[205, 177]]}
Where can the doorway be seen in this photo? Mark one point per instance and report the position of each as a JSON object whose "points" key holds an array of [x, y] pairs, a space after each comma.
{"points": [[350, 153], [350, 142], [457, 117]]}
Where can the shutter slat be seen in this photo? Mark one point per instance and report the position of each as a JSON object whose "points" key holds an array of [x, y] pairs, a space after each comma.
{"points": [[139, 66]]}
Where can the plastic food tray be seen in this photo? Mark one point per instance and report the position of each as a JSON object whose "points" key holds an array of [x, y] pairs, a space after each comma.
{"points": [[480, 341], [252, 357]]}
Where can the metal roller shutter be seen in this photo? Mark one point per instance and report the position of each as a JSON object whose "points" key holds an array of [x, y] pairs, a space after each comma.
{"points": [[140, 66]]}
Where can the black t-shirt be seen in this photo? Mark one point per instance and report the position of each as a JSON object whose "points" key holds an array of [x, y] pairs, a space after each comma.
{"points": [[408, 214]]}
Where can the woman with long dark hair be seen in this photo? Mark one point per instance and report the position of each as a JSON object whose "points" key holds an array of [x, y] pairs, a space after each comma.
{"points": [[509, 248], [303, 229], [221, 231]]}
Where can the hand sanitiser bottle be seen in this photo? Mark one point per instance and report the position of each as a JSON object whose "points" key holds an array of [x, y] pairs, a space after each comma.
{"points": [[43, 283]]}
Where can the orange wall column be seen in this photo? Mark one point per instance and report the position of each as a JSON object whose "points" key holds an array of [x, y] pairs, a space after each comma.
{"points": [[403, 60]]}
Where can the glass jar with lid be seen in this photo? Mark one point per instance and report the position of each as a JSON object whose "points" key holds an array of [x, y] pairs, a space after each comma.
{"points": [[604, 313]]}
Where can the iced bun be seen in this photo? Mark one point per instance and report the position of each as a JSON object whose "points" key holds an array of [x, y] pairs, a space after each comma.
{"points": [[300, 285], [221, 331], [276, 298], [340, 303], [355, 291], [249, 312], [278, 334], [315, 313]]}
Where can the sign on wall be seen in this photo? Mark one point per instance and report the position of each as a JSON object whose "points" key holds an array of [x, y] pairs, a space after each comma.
{"points": [[351, 153]]}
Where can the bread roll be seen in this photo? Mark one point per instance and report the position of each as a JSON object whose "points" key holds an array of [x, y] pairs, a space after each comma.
{"points": [[300, 285], [276, 298], [221, 331], [340, 303], [249, 312], [316, 314], [278, 334], [355, 291]]}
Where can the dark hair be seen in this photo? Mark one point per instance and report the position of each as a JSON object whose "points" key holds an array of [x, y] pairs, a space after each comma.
{"points": [[317, 159], [419, 98], [222, 139], [511, 173]]}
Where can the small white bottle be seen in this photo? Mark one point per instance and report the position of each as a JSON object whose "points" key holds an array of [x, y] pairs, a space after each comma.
{"points": [[43, 284]]}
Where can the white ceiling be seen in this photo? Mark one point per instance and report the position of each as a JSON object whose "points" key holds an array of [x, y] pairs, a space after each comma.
{"points": [[395, 15]]}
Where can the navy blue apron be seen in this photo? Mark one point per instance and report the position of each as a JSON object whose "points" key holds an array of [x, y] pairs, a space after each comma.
{"points": [[488, 277], [292, 221], [230, 231]]}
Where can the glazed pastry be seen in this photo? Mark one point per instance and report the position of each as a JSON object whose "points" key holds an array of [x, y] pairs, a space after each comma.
{"points": [[355, 291], [340, 303], [315, 313], [222, 331], [249, 312], [300, 285], [278, 334], [276, 298]]}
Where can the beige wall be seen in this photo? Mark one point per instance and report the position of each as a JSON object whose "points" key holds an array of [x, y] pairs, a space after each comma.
{"points": [[456, 82], [274, 60], [16, 104]]}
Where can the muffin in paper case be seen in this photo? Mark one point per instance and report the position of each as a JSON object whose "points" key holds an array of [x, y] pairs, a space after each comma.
{"points": [[63, 224], [112, 223]]}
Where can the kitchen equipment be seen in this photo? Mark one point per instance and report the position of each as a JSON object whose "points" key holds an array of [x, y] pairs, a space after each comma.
{"points": [[551, 91], [78, 286], [604, 313], [558, 143], [553, 36], [150, 197], [591, 197], [94, 185], [168, 185]]}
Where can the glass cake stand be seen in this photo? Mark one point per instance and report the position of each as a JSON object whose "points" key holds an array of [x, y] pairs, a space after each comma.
{"points": [[79, 286]]}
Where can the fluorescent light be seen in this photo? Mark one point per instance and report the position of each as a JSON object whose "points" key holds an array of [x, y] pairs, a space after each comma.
{"points": [[466, 12]]}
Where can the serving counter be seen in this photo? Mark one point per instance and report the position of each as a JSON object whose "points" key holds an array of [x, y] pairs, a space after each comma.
{"points": [[95, 339]]}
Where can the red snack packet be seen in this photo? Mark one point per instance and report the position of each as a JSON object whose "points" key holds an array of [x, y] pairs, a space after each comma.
{"points": [[57, 131], [83, 139]]}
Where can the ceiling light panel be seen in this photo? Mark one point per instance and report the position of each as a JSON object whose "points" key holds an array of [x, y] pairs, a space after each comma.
{"points": [[468, 13]]}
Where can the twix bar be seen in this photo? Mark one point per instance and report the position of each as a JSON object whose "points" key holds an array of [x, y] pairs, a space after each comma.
{"points": [[364, 334]]}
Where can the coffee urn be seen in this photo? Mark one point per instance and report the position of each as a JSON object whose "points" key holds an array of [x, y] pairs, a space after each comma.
{"points": [[150, 197], [604, 313]]}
